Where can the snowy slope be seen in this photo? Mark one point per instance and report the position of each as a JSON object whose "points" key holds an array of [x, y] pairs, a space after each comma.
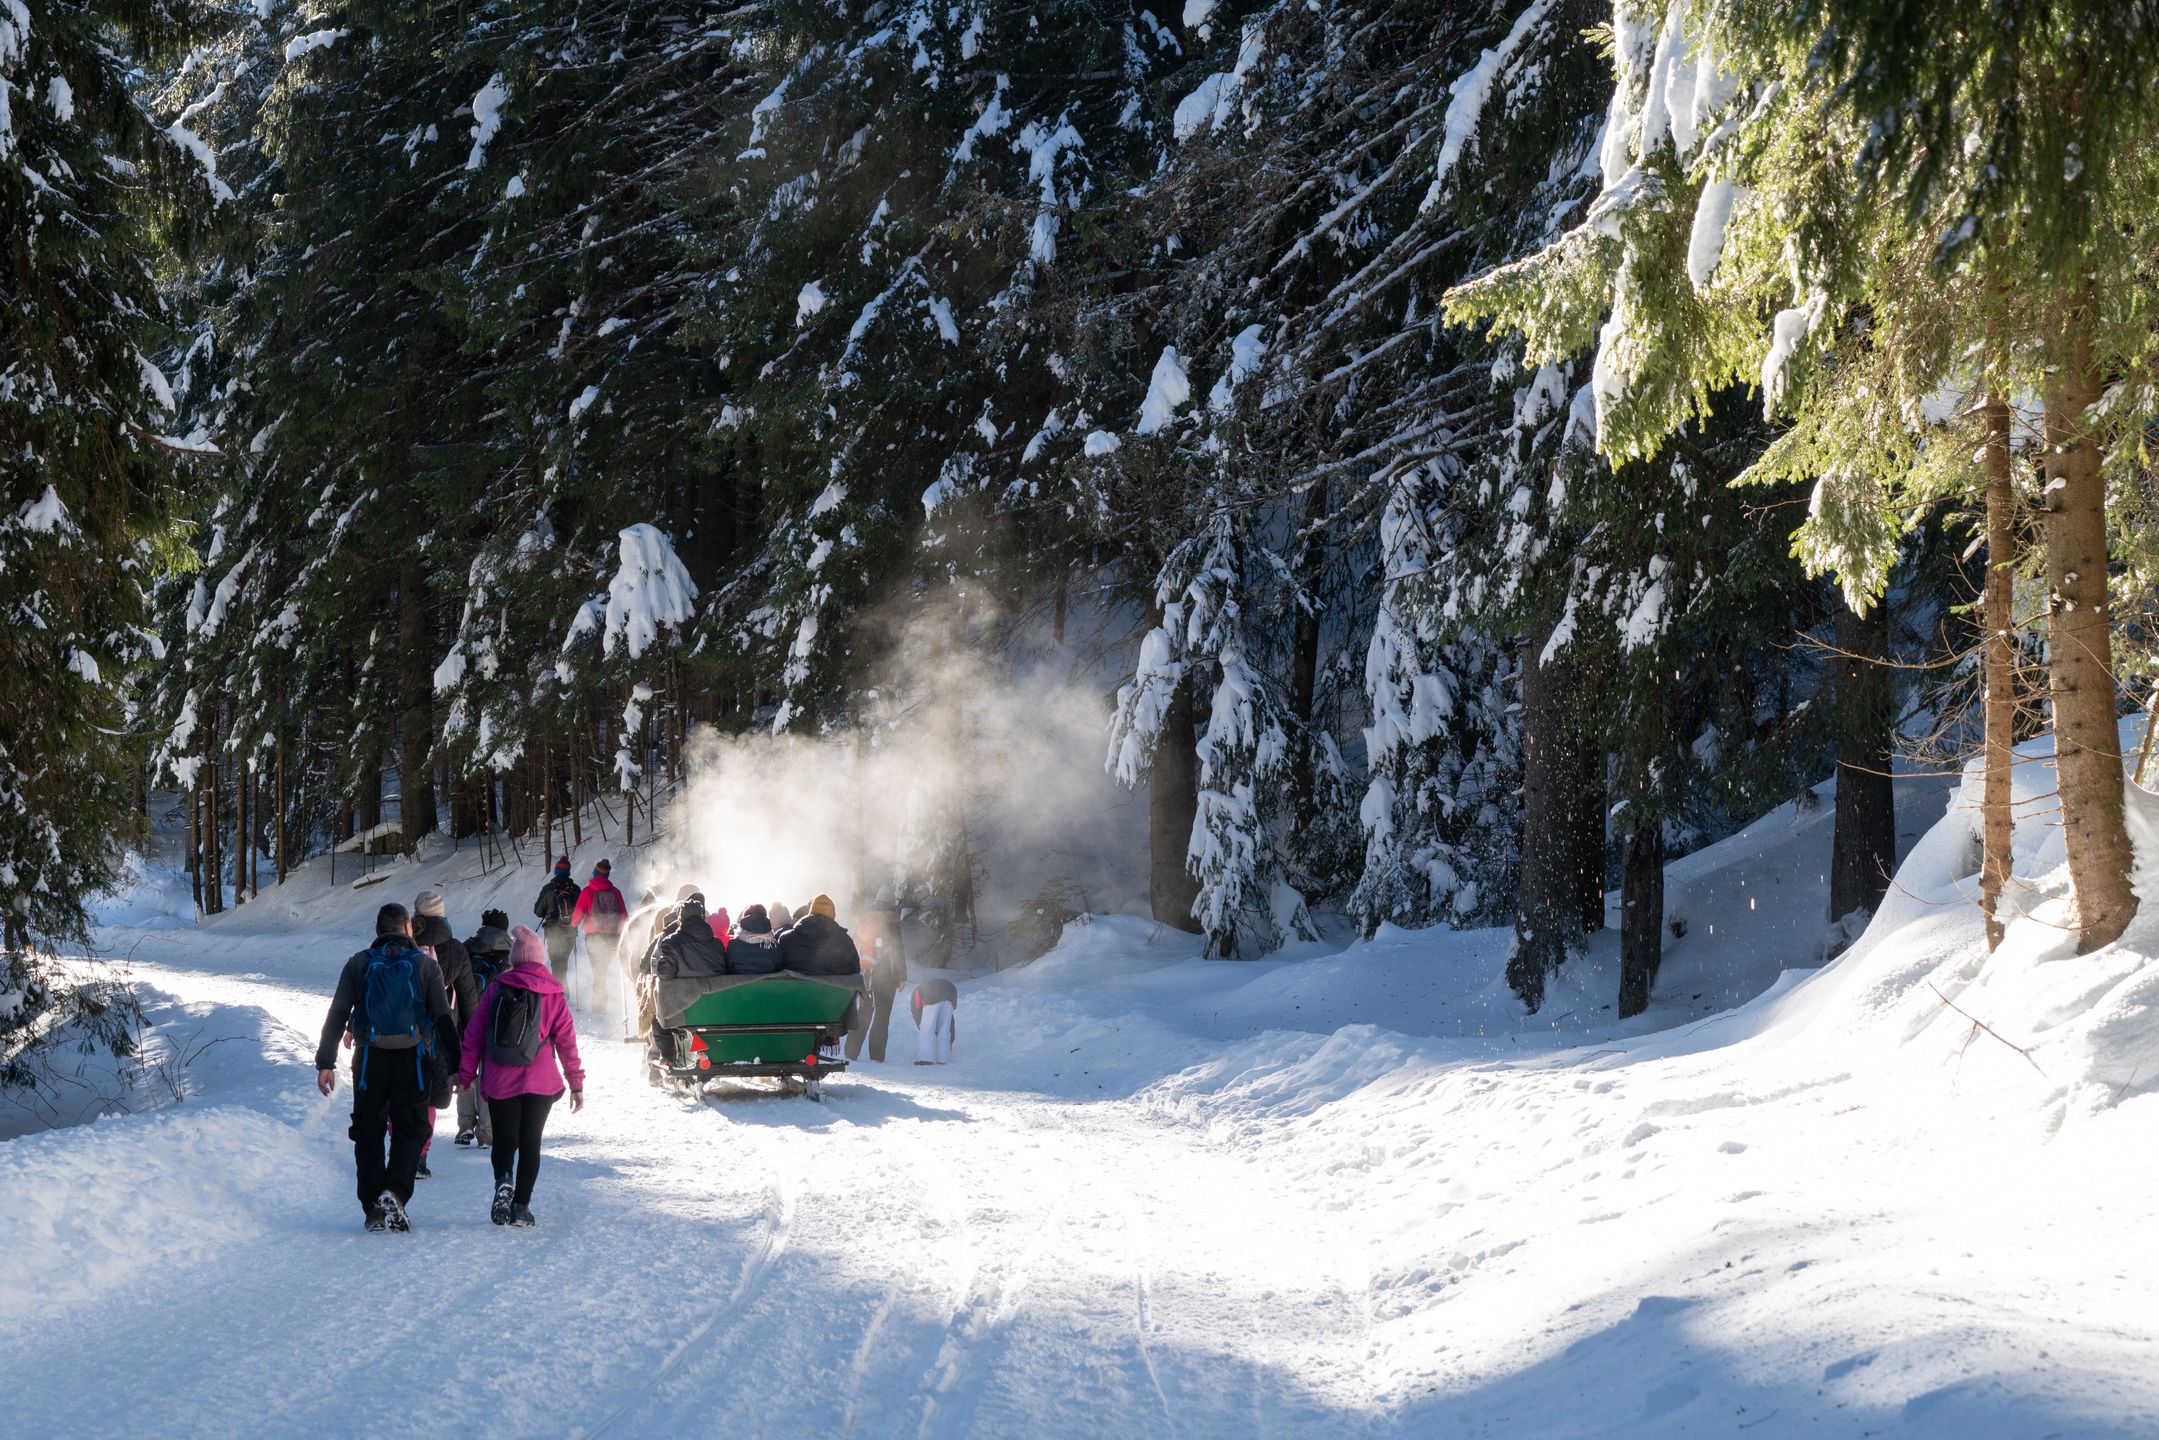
{"points": [[1348, 1193]]}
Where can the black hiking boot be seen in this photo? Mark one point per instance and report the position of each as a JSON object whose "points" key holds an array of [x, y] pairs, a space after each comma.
{"points": [[464, 1137], [504, 1205], [376, 1224], [423, 1173], [521, 1217], [393, 1214]]}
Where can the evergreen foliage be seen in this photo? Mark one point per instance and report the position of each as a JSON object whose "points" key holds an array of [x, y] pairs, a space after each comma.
{"points": [[1450, 405]]}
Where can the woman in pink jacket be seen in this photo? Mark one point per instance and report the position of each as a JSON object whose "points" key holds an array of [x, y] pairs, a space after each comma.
{"points": [[522, 1044]]}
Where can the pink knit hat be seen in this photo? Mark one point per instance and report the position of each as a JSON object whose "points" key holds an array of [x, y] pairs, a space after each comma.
{"points": [[526, 947]]}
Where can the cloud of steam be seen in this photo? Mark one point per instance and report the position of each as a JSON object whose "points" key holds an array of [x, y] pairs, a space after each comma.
{"points": [[958, 734]]}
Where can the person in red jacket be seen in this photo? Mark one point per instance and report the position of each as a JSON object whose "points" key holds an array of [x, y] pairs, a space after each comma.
{"points": [[530, 1057], [598, 917]]}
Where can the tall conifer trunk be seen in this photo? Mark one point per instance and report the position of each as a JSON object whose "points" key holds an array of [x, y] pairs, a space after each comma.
{"points": [[1548, 905], [240, 845], [1641, 914], [416, 718], [2087, 744], [1864, 851], [2001, 701], [1304, 659], [1589, 794], [1172, 807]]}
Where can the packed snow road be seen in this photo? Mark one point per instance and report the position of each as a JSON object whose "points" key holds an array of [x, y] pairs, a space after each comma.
{"points": [[1331, 1194], [916, 1256]]}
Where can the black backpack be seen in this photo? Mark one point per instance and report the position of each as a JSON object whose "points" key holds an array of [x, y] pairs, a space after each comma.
{"points": [[487, 964], [513, 1029]]}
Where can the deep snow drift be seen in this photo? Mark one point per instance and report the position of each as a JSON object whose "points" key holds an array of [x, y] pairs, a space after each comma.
{"points": [[1348, 1192]]}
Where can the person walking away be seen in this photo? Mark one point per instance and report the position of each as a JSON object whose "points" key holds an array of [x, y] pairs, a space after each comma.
{"points": [[753, 949], [816, 945], [599, 915], [391, 999], [554, 909], [886, 962], [936, 1005], [489, 950], [521, 1049], [431, 932], [688, 950]]}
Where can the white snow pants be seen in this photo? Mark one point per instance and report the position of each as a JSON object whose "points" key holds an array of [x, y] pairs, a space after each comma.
{"points": [[936, 1042]]}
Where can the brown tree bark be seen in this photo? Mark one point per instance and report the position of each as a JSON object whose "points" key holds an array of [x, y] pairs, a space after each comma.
{"points": [[1548, 905], [1172, 807], [1863, 853], [284, 859], [213, 857], [1588, 798], [2087, 743], [1641, 914], [2000, 650], [240, 845], [370, 796], [194, 841], [1304, 660], [416, 700]]}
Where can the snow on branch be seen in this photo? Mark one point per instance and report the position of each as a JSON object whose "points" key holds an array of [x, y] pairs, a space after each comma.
{"points": [[486, 118], [650, 592]]}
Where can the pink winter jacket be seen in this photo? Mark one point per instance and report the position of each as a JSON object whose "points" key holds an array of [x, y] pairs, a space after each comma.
{"points": [[558, 1033]]}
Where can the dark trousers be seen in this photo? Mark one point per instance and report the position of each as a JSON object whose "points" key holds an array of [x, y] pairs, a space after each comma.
{"points": [[389, 1097], [873, 1017], [559, 939], [518, 1122]]}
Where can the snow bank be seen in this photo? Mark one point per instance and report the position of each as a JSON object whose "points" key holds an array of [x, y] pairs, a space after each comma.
{"points": [[2071, 1036], [92, 1207]]}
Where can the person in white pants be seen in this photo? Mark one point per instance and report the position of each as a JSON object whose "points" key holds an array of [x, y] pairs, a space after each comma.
{"points": [[935, 1004]]}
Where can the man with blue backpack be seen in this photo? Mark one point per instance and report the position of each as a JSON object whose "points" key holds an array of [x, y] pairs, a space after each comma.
{"points": [[392, 1000]]}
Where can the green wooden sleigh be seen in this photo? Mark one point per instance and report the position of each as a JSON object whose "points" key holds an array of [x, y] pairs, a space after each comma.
{"points": [[783, 1026]]}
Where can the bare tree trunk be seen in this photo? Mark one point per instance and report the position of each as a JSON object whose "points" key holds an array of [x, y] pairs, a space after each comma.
{"points": [[213, 859], [1588, 797], [1641, 914], [194, 840], [416, 716], [1304, 659], [1864, 850], [370, 782], [241, 844], [1547, 911], [2087, 743], [577, 784], [1172, 807], [1996, 826], [547, 807]]}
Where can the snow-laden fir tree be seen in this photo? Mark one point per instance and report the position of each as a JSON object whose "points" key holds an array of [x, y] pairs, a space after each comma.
{"points": [[92, 185]]}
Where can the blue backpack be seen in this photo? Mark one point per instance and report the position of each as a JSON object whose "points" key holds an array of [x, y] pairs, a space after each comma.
{"points": [[396, 1018]]}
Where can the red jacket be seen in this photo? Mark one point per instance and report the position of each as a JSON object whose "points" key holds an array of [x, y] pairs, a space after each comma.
{"points": [[583, 918]]}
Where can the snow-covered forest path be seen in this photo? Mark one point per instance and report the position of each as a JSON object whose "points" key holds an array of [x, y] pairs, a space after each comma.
{"points": [[921, 1255], [1348, 1194]]}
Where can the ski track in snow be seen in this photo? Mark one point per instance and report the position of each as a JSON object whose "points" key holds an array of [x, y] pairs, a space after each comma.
{"points": [[1332, 1195]]}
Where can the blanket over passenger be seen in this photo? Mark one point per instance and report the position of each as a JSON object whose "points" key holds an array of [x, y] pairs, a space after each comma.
{"points": [[676, 995]]}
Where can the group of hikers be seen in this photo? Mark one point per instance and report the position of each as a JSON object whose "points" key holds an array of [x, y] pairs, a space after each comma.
{"points": [[485, 1022], [426, 1015]]}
